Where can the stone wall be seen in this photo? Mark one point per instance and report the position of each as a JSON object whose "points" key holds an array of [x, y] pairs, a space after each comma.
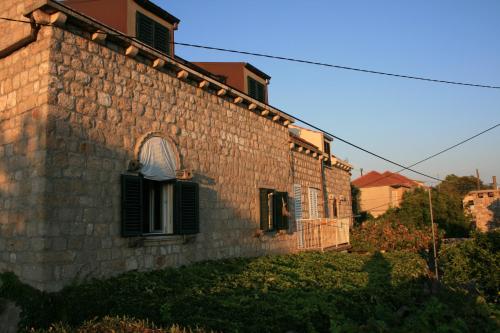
{"points": [[307, 173], [23, 111], [101, 104], [338, 184], [72, 113], [13, 31]]}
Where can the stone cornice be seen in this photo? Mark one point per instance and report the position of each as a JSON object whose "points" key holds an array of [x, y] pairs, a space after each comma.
{"points": [[100, 33], [302, 146], [338, 163]]}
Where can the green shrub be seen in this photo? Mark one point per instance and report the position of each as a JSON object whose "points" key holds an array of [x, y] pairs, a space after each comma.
{"points": [[116, 325], [387, 235], [474, 264], [307, 292]]}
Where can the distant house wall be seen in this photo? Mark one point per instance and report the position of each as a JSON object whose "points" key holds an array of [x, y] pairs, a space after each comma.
{"points": [[484, 206], [375, 200]]}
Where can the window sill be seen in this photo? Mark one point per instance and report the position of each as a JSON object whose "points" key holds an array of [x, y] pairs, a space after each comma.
{"points": [[270, 234], [158, 240]]}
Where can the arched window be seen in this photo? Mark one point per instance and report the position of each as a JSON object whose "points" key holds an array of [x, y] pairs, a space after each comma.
{"points": [[158, 159], [154, 201]]}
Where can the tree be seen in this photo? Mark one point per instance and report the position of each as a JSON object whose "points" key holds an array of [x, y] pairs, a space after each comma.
{"points": [[447, 209], [459, 186]]}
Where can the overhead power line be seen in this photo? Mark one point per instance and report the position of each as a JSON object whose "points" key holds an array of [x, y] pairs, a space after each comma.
{"points": [[438, 153], [310, 62], [298, 119], [314, 127]]}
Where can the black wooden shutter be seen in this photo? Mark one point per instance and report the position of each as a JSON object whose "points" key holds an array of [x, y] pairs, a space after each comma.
{"points": [[186, 208], [132, 207], [264, 209], [161, 38], [260, 92], [252, 89], [144, 29]]}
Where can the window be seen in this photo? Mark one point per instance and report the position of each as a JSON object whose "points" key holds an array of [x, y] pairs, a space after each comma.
{"points": [[153, 207], [152, 33], [273, 210], [490, 194], [153, 200], [326, 149], [158, 200], [335, 208], [313, 203], [480, 195], [256, 90]]}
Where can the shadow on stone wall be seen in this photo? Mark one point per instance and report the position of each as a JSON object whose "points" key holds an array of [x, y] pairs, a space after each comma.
{"points": [[494, 223]]}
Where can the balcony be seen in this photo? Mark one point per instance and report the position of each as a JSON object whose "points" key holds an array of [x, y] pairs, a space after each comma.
{"points": [[323, 234]]}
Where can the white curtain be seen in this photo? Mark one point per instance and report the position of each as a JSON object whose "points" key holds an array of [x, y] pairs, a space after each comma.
{"points": [[158, 159]]}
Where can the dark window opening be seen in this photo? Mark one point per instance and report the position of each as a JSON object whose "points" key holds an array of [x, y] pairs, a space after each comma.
{"points": [[153, 207], [256, 90], [335, 209], [326, 149], [274, 210], [152, 33]]}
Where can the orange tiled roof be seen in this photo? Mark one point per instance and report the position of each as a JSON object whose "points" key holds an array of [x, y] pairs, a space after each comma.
{"points": [[374, 179]]}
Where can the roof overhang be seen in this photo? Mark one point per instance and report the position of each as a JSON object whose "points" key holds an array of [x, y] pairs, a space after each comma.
{"points": [[62, 16]]}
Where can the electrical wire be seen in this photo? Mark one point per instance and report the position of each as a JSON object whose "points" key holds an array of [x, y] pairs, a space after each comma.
{"points": [[316, 63], [310, 62], [436, 154], [303, 121]]}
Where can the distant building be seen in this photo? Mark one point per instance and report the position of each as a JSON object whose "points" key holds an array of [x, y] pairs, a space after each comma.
{"points": [[381, 191], [484, 206]]}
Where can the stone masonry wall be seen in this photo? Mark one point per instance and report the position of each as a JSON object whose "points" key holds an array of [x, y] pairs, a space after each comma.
{"points": [[338, 183], [334, 181], [23, 111], [101, 104], [306, 173], [72, 113]]}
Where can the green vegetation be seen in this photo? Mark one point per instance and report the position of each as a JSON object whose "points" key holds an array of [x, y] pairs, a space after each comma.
{"points": [[385, 235], [116, 325], [414, 211], [474, 265], [307, 292]]}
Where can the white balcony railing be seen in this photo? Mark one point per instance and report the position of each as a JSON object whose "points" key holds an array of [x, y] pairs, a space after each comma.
{"points": [[323, 233]]}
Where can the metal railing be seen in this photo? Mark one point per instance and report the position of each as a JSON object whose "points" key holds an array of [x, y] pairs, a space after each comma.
{"points": [[322, 233]]}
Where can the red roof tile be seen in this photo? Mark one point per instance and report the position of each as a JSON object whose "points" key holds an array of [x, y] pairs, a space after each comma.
{"points": [[374, 179]]}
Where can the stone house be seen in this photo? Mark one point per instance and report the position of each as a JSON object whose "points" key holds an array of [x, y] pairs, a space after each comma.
{"points": [[484, 207], [116, 155], [381, 191]]}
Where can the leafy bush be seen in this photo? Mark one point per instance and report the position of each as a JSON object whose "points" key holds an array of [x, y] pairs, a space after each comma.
{"points": [[115, 325], [447, 209], [474, 264], [377, 235], [307, 292]]}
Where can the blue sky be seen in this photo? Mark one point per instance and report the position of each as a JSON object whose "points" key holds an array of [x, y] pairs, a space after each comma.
{"points": [[403, 120]]}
